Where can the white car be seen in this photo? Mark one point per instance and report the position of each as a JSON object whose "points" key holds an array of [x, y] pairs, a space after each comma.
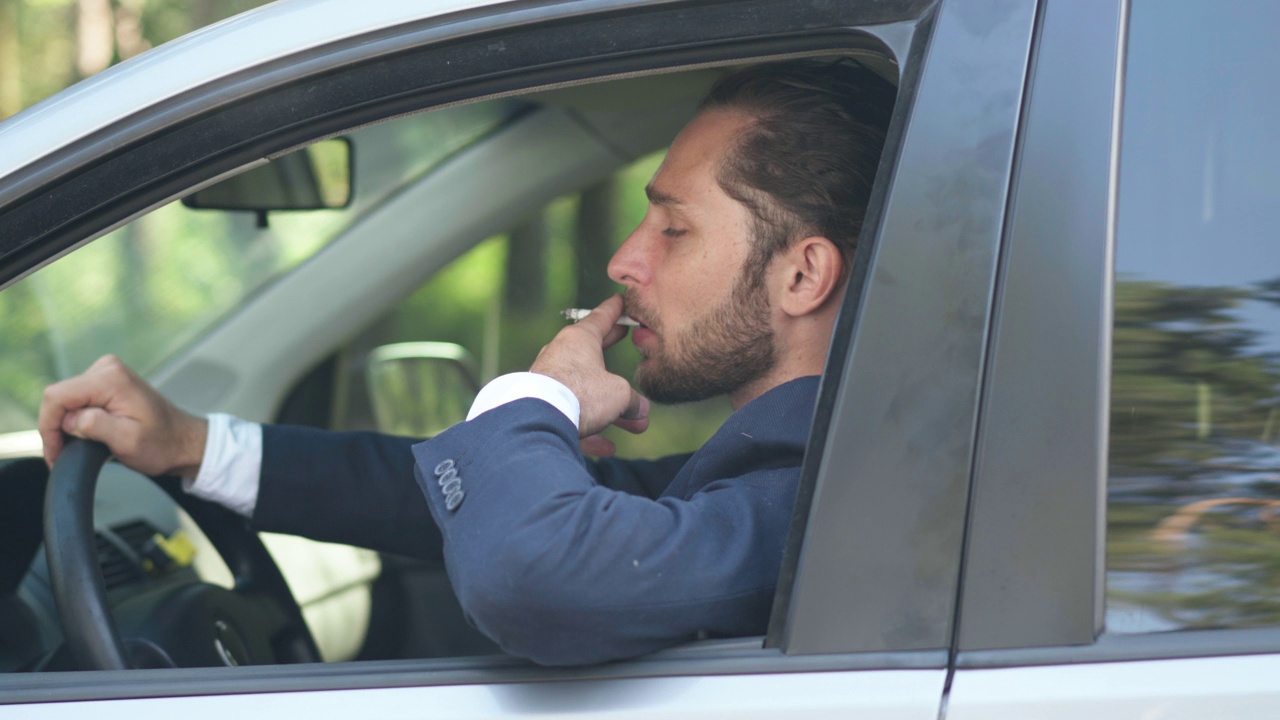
{"points": [[1042, 480]]}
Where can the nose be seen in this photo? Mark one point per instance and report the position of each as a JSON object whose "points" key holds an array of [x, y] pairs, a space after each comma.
{"points": [[631, 265]]}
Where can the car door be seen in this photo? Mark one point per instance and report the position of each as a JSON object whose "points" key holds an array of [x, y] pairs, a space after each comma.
{"points": [[864, 621], [1122, 556]]}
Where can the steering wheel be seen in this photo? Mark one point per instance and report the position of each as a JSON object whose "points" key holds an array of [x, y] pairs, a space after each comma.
{"points": [[190, 624]]}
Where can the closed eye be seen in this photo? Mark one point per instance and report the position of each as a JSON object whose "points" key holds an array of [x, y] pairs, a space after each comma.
{"points": [[674, 232]]}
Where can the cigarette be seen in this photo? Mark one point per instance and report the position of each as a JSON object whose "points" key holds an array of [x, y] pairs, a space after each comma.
{"points": [[576, 314]]}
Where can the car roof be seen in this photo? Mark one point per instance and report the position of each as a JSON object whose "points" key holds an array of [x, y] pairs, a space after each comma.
{"points": [[218, 51]]}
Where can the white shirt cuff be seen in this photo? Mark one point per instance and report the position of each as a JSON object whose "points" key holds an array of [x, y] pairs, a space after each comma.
{"points": [[232, 464], [518, 386]]}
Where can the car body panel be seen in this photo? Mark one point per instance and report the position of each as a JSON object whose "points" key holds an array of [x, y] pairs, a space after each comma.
{"points": [[888, 694], [1226, 687]]}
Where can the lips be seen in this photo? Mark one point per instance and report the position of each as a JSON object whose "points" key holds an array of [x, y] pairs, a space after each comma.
{"points": [[642, 336]]}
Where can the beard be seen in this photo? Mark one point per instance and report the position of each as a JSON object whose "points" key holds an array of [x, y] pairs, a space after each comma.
{"points": [[727, 348]]}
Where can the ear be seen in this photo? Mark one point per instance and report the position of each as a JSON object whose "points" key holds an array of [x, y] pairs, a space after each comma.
{"points": [[809, 273]]}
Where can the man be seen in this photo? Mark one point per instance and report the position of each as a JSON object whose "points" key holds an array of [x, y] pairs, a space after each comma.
{"points": [[736, 275]]}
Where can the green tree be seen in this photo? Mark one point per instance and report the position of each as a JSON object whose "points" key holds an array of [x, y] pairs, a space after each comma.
{"points": [[1194, 498]]}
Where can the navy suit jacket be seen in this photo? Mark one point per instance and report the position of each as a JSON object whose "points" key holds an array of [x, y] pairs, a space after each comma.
{"points": [[555, 557]]}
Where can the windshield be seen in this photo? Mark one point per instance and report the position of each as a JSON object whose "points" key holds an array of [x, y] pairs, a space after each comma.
{"points": [[149, 288]]}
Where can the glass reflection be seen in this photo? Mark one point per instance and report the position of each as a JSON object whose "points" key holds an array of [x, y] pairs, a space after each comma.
{"points": [[1194, 495], [1194, 498]]}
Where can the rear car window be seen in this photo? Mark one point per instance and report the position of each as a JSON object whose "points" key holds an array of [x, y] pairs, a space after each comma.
{"points": [[1194, 491]]}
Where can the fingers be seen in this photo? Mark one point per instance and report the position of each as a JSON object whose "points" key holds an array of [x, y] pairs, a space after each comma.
{"points": [[615, 334], [575, 358], [603, 319], [635, 427], [597, 446], [94, 423], [65, 405], [637, 406], [52, 447], [635, 418], [61, 398]]}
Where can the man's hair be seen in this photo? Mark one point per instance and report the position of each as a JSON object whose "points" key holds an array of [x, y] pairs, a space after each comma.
{"points": [[805, 164]]}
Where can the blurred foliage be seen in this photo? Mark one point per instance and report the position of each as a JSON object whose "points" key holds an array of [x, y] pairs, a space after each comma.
{"points": [[147, 289], [141, 292], [1193, 515], [1172, 346], [47, 45]]}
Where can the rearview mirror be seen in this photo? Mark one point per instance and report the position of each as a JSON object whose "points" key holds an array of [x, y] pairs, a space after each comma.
{"points": [[316, 177], [420, 388]]}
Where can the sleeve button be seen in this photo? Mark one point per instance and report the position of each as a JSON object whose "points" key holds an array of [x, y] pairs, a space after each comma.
{"points": [[454, 499]]}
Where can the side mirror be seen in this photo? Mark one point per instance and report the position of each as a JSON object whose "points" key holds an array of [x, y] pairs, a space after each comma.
{"points": [[316, 177], [420, 388]]}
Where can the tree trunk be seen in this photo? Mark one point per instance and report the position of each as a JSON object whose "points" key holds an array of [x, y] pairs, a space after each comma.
{"points": [[128, 30], [10, 60], [597, 226], [526, 290], [95, 36]]}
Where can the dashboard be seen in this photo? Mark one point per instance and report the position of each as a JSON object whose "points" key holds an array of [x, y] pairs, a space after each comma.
{"points": [[131, 512]]}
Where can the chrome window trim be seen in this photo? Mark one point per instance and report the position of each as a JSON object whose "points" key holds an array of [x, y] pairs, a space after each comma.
{"points": [[737, 657], [1115, 647]]}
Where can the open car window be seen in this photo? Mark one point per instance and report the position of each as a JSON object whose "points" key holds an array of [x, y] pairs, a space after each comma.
{"points": [[169, 285]]}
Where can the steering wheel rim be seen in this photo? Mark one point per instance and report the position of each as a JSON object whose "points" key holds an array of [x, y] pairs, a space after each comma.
{"points": [[78, 586]]}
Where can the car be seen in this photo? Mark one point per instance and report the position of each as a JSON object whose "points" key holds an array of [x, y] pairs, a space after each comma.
{"points": [[1041, 479]]}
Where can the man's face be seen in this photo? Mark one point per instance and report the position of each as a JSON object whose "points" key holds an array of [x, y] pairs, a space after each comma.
{"points": [[706, 327]]}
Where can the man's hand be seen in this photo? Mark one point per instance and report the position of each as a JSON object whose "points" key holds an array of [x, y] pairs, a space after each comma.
{"points": [[111, 404], [575, 357]]}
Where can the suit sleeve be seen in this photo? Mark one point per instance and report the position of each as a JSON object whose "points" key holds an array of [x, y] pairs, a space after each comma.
{"points": [[355, 488], [555, 567], [646, 478]]}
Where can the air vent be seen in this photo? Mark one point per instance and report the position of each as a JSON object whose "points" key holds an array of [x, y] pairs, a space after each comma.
{"points": [[135, 534], [121, 567], [117, 567]]}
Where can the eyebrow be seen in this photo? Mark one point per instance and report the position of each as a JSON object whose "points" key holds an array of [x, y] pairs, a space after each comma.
{"points": [[657, 197]]}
